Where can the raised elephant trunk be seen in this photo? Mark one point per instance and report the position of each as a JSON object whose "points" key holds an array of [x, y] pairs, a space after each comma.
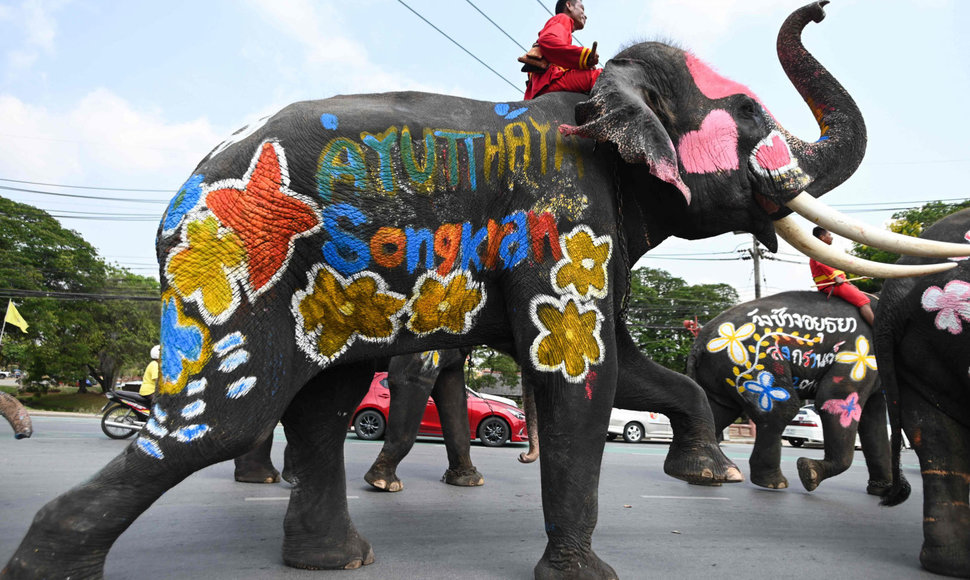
{"points": [[837, 154], [15, 413]]}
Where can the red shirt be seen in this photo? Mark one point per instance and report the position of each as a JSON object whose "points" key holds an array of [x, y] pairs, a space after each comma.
{"points": [[823, 274], [556, 43]]}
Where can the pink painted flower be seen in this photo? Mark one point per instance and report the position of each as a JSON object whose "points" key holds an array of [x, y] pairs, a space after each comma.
{"points": [[952, 302], [848, 409]]}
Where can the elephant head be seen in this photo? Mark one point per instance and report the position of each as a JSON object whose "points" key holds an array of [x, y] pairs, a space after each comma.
{"points": [[716, 143]]}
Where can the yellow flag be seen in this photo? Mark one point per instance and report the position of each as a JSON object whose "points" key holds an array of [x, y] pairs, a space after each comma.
{"points": [[14, 317]]}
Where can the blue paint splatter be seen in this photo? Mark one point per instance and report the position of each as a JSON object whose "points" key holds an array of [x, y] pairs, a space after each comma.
{"points": [[195, 387], [150, 447], [193, 409], [191, 433], [240, 387], [329, 121], [504, 110], [155, 429], [232, 362], [178, 343], [183, 202], [228, 343]]}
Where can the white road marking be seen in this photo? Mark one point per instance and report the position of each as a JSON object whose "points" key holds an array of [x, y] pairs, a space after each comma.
{"points": [[286, 498], [690, 497]]}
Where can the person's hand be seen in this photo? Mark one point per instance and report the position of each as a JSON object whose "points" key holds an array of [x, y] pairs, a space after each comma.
{"points": [[593, 59], [839, 281]]}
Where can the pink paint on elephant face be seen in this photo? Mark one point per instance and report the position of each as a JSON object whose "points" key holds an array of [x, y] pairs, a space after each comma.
{"points": [[713, 85], [712, 148], [773, 154]]}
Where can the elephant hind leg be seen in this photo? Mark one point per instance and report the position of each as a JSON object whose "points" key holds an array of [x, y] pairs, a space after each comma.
{"points": [[256, 466], [318, 531]]}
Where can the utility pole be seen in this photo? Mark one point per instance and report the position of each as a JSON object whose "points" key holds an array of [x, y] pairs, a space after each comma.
{"points": [[756, 257]]}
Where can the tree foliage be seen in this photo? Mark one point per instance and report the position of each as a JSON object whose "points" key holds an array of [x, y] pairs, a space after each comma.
{"points": [[488, 368], [659, 305], [910, 222], [67, 338]]}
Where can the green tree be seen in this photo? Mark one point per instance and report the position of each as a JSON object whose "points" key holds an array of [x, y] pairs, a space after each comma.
{"points": [[659, 305], [67, 338], [487, 368], [910, 222]]}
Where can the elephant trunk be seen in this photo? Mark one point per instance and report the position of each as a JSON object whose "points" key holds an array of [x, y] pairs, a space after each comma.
{"points": [[837, 154], [15, 413]]}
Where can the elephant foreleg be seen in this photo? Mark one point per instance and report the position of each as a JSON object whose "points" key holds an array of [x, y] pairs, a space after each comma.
{"points": [[452, 401], [874, 434], [644, 385], [839, 444], [765, 459], [942, 447], [410, 384], [16, 415], [256, 466], [318, 531]]}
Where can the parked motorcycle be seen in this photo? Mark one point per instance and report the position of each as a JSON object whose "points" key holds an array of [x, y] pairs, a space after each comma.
{"points": [[124, 414]]}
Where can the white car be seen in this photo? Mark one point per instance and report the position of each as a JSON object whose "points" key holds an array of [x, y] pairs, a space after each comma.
{"points": [[497, 398], [806, 427], [636, 426]]}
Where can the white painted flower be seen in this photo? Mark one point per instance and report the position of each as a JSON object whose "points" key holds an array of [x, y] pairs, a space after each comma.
{"points": [[732, 340], [860, 359]]}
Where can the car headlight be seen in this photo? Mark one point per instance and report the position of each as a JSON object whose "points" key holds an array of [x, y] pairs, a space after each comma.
{"points": [[518, 415]]}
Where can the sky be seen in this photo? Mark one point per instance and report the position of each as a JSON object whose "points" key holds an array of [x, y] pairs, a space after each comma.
{"points": [[121, 100]]}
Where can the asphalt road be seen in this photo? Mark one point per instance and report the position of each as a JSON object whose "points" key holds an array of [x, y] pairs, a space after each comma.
{"points": [[650, 526]]}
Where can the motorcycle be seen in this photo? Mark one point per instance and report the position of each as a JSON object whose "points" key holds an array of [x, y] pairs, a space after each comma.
{"points": [[124, 414]]}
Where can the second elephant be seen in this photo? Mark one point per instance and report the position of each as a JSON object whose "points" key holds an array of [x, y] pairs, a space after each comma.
{"points": [[765, 357]]}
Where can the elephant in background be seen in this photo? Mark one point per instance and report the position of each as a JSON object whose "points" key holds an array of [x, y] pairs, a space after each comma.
{"points": [[765, 357], [358, 227], [15, 414], [923, 349]]}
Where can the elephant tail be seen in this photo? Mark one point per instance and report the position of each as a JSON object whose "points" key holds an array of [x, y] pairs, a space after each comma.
{"points": [[885, 349]]}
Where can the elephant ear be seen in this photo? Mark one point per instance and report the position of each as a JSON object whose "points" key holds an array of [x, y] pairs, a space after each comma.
{"points": [[617, 112]]}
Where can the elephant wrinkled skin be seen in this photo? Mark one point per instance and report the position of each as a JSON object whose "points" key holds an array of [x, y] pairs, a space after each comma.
{"points": [[923, 350], [343, 230], [765, 357]]}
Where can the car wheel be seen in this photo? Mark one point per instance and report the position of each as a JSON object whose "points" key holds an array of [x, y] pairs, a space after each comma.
{"points": [[796, 442], [611, 436], [633, 432], [369, 425], [493, 432]]}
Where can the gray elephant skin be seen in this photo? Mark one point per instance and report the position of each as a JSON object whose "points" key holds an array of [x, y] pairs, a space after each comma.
{"points": [[15, 414], [357, 227], [766, 357], [923, 350]]}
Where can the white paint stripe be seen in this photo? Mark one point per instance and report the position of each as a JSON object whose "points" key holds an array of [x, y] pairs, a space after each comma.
{"points": [[691, 497], [286, 498]]}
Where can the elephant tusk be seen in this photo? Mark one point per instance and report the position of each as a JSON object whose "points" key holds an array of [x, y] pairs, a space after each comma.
{"points": [[815, 211], [815, 248]]}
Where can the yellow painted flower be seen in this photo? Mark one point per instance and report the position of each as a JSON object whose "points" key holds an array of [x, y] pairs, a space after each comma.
{"points": [[448, 303], [732, 340], [335, 311], [203, 268], [582, 269], [860, 359], [569, 336]]}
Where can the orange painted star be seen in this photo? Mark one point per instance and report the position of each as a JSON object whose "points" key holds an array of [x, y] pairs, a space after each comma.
{"points": [[266, 215]]}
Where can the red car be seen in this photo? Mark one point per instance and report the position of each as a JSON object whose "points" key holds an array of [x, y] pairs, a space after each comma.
{"points": [[491, 421]]}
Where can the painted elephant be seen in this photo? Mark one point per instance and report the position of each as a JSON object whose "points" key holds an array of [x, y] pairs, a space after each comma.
{"points": [[765, 357], [411, 380], [15, 414], [356, 227], [923, 350]]}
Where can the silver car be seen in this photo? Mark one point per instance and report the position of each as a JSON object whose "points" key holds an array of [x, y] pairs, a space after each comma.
{"points": [[636, 426]]}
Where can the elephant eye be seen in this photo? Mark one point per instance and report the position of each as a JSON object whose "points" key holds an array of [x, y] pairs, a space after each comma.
{"points": [[749, 109]]}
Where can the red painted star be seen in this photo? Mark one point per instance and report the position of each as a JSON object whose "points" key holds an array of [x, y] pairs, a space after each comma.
{"points": [[265, 214]]}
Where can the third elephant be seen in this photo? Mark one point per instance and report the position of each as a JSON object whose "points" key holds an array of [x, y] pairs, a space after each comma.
{"points": [[764, 358]]}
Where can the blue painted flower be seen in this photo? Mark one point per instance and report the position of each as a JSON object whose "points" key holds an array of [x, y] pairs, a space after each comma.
{"points": [[183, 202], [764, 387], [179, 344]]}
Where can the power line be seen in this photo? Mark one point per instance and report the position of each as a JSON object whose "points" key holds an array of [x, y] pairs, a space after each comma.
{"points": [[86, 186], [77, 195], [472, 4], [456, 43], [14, 293]]}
